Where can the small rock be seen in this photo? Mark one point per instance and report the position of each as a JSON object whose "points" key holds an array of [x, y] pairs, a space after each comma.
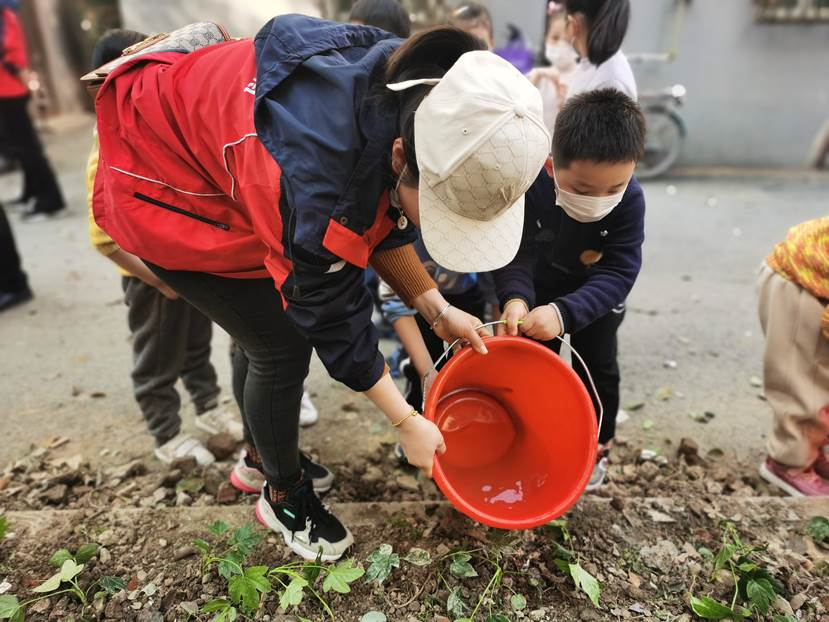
{"points": [[372, 474], [184, 552], [660, 517], [189, 607], [617, 503], [114, 610], [107, 537], [171, 478], [128, 470], [648, 471], [756, 382], [669, 364], [647, 455], [41, 606], [798, 601], [183, 499], [350, 407], [170, 598], [689, 450], [407, 482], [56, 494], [537, 614], [222, 446], [104, 555], [660, 556], [714, 488], [159, 494], [185, 465], [227, 493]]}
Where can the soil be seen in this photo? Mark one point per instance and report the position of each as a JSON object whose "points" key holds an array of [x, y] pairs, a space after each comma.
{"points": [[640, 537]]}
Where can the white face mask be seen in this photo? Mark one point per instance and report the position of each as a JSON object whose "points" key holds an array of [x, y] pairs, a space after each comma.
{"points": [[583, 208], [562, 55]]}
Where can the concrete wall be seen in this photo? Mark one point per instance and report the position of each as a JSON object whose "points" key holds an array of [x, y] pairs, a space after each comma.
{"points": [[758, 94]]}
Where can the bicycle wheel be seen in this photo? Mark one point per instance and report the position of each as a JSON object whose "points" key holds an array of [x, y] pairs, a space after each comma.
{"points": [[663, 142]]}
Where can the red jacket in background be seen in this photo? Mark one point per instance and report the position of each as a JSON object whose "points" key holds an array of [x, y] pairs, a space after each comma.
{"points": [[12, 56]]}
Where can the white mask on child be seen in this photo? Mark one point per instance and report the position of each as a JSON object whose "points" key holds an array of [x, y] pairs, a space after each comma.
{"points": [[583, 208], [562, 55]]}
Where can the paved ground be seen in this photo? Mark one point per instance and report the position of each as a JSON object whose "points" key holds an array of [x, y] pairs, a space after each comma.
{"points": [[694, 304]]}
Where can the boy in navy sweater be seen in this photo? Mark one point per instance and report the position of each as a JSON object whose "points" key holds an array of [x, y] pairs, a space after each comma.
{"points": [[582, 245]]}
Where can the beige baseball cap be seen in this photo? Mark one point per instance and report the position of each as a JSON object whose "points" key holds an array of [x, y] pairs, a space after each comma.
{"points": [[481, 142]]}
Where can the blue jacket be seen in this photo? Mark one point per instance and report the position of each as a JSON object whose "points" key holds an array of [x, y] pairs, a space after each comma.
{"points": [[591, 266]]}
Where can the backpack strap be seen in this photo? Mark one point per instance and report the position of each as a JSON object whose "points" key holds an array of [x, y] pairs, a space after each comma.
{"points": [[187, 39]]}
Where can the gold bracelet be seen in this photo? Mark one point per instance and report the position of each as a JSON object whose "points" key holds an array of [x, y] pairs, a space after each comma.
{"points": [[414, 413]]}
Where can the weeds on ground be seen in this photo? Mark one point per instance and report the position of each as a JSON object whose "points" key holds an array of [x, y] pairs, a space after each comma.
{"points": [[755, 588], [67, 580], [247, 585]]}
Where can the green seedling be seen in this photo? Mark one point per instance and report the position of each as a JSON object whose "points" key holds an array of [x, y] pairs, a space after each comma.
{"points": [[567, 561], [755, 588], [67, 580], [4, 527], [818, 530]]}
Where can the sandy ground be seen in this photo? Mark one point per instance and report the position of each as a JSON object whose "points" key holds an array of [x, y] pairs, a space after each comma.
{"points": [[694, 304]]}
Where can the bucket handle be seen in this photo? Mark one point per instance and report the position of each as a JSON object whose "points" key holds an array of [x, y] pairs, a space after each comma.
{"points": [[451, 346]]}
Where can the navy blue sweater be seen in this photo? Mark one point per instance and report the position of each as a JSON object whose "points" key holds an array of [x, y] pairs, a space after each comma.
{"points": [[591, 266]]}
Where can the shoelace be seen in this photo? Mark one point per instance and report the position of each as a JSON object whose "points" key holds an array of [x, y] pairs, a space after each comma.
{"points": [[312, 508]]}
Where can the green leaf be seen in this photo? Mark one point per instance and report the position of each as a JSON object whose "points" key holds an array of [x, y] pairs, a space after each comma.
{"points": [[724, 556], [460, 566], [217, 604], [705, 552], [418, 557], [9, 606], [747, 567], [245, 588], [218, 528], [454, 604], [312, 571], [49, 585], [292, 595], [69, 570], [245, 539], [761, 594], [4, 526], [518, 602], [190, 485], [560, 552], [818, 529], [111, 585], [229, 566], [586, 582], [59, 557], [339, 576], [17, 616], [202, 545], [374, 616], [382, 561], [497, 617], [647, 424], [710, 609], [86, 552], [561, 525], [562, 565]]}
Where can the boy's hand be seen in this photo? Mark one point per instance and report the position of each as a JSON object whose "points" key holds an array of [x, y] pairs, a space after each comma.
{"points": [[457, 324], [542, 323], [514, 311]]}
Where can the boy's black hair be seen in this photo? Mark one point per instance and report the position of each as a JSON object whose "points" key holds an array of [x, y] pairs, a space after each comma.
{"points": [[601, 126], [112, 43], [607, 23], [386, 14]]}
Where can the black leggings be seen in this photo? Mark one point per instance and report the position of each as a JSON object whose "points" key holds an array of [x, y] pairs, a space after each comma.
{"points": [[268, 377]]}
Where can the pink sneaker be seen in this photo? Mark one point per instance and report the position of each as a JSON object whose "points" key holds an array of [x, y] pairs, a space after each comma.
{"points": [[245, 476], [821, 465], [796, 482]]}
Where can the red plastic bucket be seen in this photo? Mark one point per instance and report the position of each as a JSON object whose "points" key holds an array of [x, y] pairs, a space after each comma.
{"points": [[520, 433]]}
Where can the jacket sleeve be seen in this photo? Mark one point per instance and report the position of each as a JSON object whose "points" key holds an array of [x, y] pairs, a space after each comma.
{"points": [[334, 311], [515, 280], [611, 279], [13, 45]]}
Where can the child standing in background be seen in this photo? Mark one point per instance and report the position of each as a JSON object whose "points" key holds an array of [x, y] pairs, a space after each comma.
{"points": [[793, 284], [170, 339], [475, 19]]}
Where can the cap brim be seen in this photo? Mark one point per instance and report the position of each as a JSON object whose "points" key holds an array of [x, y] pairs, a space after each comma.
{"points": [[466, 245]]}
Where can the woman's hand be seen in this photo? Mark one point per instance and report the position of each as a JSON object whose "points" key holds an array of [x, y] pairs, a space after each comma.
{"points": [[514, 311], [456, 324], [420, 439]]}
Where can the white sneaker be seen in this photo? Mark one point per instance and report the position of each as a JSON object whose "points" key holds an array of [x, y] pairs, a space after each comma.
{"points": [[221, 420], [308, 414], [182, 446]]}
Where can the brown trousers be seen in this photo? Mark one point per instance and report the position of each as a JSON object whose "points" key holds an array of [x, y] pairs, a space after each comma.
{"points": [[796, 369]]}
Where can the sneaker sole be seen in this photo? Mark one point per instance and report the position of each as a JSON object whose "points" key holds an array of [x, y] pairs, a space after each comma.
{"points": [[238, 484], [771, 478], [287, 536]]}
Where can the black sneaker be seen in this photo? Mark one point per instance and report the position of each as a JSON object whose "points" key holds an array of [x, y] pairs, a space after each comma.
{"points": [[12, 299], [318, 474], [306, 525]]}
